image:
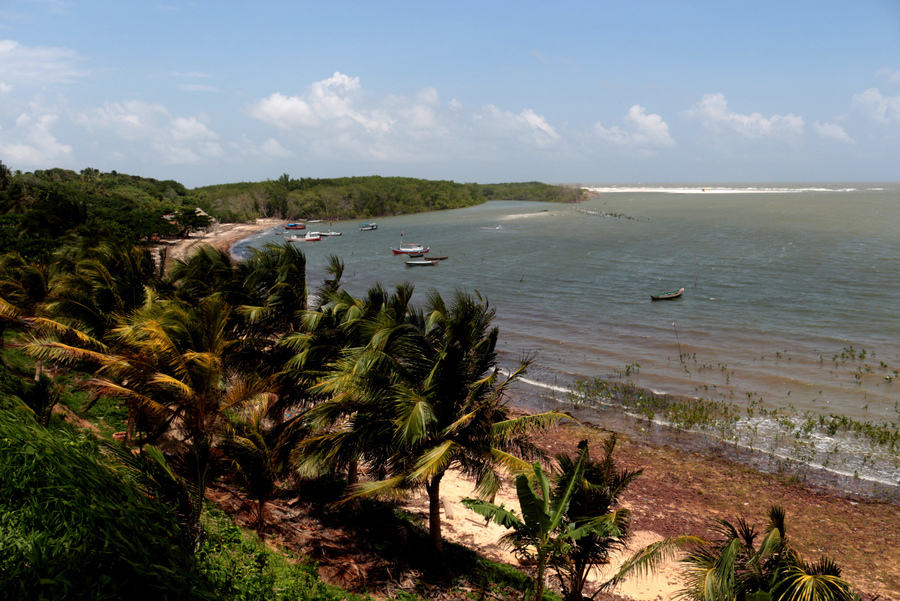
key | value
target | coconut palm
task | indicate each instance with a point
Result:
(732, 565)
(424, 395)
(250, 442)
(169, 360)
(321, 374)
(100, 286)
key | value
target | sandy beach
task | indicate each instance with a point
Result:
(221, 236)
(678, 493)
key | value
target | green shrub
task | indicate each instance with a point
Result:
(71, 528)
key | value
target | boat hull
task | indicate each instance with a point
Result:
(667, 295)
(420, 263)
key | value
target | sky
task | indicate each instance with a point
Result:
(591, 92)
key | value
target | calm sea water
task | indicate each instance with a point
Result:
(791, 297)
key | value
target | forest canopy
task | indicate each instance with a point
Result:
(40, 208)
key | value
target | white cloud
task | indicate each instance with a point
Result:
(272, 148)
(644, 131)
(6, 88)
(284, 112)
(332, 103)
(526, 126)
(712, 112)
(832, 131)
(31, 143)
(151, 126)
(891, 75)
(37, 65)
(878, 107)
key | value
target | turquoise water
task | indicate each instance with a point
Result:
(790, 293)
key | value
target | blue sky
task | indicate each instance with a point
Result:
(560, 92)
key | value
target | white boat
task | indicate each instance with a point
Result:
(411, 248)
(366, 227)
(331, 233)
(309, 237)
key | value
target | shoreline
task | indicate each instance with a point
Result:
(221, 236)
(686, 484)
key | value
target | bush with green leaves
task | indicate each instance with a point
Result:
(71, 527)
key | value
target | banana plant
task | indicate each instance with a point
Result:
(542, 532)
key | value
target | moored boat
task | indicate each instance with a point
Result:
(295, 226)
(411, 248)
(436, 258)
(367, 227)
(420, 263)
(667, 295)
(309, 237)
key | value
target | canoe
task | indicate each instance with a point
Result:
(667, 295)
(420, 263)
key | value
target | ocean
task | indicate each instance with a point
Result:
(790, 312)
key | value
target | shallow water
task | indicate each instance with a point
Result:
(789, 303)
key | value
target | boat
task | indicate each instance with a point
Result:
(330, 232)
(667, 295)
(410, 248)
(367, 227)
(309, 237)
(295, 226)
(420, 263)
(416, 255)
(436, 258)
(313, 221)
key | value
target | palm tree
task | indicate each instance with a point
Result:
(424, 395)
(169, 360)
(732, 566)
(321, 374)
(250, 442)
(596, 496)
(97, 288)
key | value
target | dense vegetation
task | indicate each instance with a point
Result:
(216, 370)
(362, 197)
(39, 209)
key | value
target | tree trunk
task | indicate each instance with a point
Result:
(352, 473)
(434, 514)
(38, 369)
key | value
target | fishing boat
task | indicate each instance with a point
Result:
(420, 263)
(435, 258)
(667, 295)
(309, 237)
(295, 226)
(409, 248)
(313, 221)
(331, 233)
(367, 227)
